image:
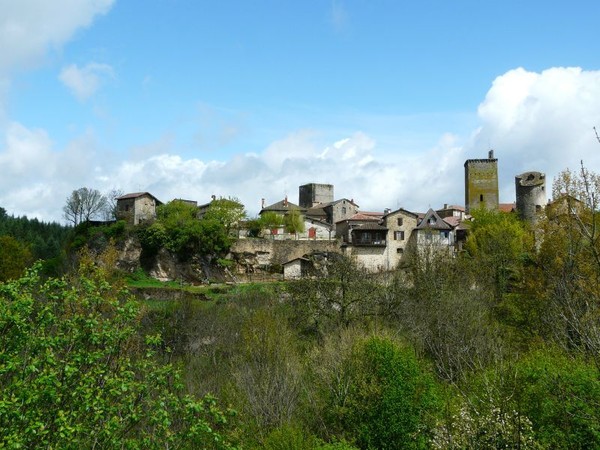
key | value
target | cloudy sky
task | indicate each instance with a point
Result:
(383, 99)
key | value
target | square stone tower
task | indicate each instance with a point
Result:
(481, 183)
(312, 194)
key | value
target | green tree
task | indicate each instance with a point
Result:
(271, 220)
(569, 261)
(498, 243)
(178, 229)
(391, 398)
(228, 211)
(340, 293)
(74, 372)
(294, 222)
(15, 257)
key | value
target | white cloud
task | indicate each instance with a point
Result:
(29, 28)
(534, 121)
(84, 82)
(539, 121)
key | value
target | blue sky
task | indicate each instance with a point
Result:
(383, 99)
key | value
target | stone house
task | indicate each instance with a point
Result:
(296, 268)
(433, 231)
(378, 241)
(137, 207)
(400, 224)
(333, 212)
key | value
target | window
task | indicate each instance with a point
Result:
(480, 197)
(400, 250)
(400, 221)
(344, 210)
(399, 235)
(444, 234)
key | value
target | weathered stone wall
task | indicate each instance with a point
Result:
(481, 184)
(312, 194)
(372, 258)
(531, 194)
(257, 254)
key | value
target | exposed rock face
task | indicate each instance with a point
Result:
(249, 256)
(130, 252)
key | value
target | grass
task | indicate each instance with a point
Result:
(140, 279)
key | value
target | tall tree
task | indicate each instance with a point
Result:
(229, 211)
(84, 204)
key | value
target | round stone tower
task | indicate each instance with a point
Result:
(531, 194)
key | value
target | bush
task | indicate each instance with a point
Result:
(74, 372)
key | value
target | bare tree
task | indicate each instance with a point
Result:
(110, 211)
(84, 204)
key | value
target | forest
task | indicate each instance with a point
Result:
(496, 347)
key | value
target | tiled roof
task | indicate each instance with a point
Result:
(364, 217)
(402, 210)
(453, 221)
(432, 221)
(507, 207)
(282, 205)
(137, 195)
(369, 227)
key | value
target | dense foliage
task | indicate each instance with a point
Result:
(178, 229)
(44, 239)
(497, 347)
(24, 240)
(75, 373)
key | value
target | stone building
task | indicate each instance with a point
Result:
(378, 242)
(312, 194)
(481, 183)
(531, 195)
(137, 207)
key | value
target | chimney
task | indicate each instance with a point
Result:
(491, 154)
(285, 203)
(445, 205)
(262, 203)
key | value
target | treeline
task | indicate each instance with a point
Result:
(24, 240)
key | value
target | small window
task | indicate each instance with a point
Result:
(400, 250)
(344, 210)
(480, 197)
(400, 221)
(399, 235)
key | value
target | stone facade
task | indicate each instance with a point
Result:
(481, 183)
(137, 208)
(400, 225)
(313, 193)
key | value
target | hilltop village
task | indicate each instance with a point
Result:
(379, 241)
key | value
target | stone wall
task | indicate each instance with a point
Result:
(258, 254)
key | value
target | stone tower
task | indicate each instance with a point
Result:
(531, 194)
(312, 194)
(481, 183)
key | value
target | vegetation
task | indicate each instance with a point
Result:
(178, 229)
(497, 347)
(74, 372)
(24, 240)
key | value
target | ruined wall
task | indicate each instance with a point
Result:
(481, 183)
(531, 194)
(257, 254)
